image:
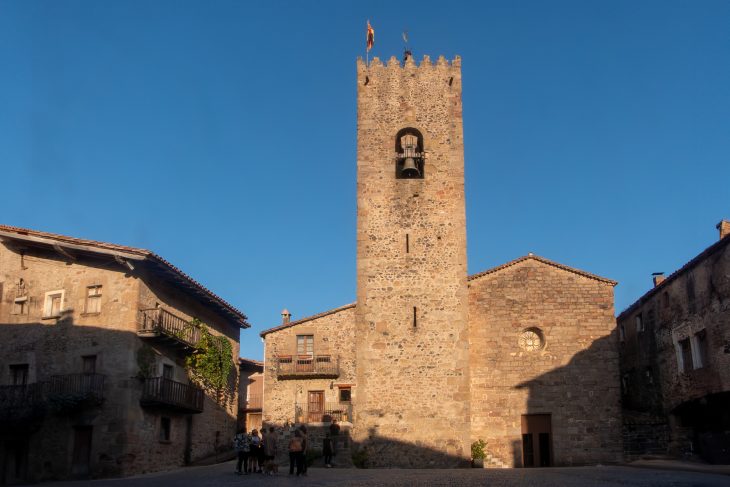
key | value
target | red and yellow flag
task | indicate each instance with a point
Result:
(370, 36)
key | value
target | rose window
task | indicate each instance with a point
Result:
(531, 340)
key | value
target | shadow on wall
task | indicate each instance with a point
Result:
(69, 395)
(577, 421)
(573, 413)
(375, 452)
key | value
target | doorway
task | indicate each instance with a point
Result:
(81, 452)
(316, 406)
(537, 449)
(14, 466)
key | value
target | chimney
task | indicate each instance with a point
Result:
(658, 278)
(285, 316)
(724, 227)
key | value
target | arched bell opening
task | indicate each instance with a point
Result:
(409, 154)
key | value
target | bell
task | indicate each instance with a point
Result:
(409, 169)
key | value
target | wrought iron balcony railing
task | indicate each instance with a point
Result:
(71, 391)
(61, 394)
(170, 394)
(160, 323)
(307, 366)
(21, 402)
(323, 412)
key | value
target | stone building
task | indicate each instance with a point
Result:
(428, 359)
(92, 371)
(250, 393)
(675, 360)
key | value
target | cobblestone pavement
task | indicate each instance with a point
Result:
(222, 475)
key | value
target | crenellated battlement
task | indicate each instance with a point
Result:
(394, 62)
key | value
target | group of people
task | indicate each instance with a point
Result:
(256, 454)
(254, 451)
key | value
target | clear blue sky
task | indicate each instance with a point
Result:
(221, 134)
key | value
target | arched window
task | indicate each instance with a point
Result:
(409, 154)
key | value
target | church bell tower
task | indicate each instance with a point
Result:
(412, 405)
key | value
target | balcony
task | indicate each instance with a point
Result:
(22, 402)
(323, 412)
(169, 394)
(253, 402)
(160, 324)
(307, 367)
(70, 392)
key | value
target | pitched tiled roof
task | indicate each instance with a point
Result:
(308, 318)
(249, 362)
(134, 253)
(544, 261)
(686, 267)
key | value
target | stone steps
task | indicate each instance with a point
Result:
(490, 461)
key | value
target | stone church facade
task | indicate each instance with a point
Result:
(429, 359)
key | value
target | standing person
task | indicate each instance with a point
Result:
(261, 454)
(242, 446)
(253, 458)
(295, 452)
(334, 435)
(270, 446)
(327, 450)
(305, 447)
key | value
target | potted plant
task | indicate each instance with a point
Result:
(478, 453)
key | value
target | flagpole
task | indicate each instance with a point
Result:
(367, 47)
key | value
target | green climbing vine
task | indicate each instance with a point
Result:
(211, 363)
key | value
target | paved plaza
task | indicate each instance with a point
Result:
(222, 475)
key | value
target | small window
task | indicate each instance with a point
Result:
(345, 394)
(167, 371)
(621, 332)
(93, 299)
(700, 339)
(88, 364)
(19, 374)
(305, 344)
(20, 306)
(649, 376)
(650, 319)
(685, 351)
(164, 429)
(639, 323)
(53, 304)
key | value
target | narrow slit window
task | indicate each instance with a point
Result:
(415, 317)
(408, 246)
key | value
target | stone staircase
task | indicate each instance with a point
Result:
(490, 461)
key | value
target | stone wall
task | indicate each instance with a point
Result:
(572, 375)
(334, 336)
(55, 346)
(203, 434)
(412, 345)
(688, 397)
(125, 437)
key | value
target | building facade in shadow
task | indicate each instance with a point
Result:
(93, 381)
(675, 361)
(428, 360)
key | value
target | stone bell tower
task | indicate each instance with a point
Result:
(412, 407)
